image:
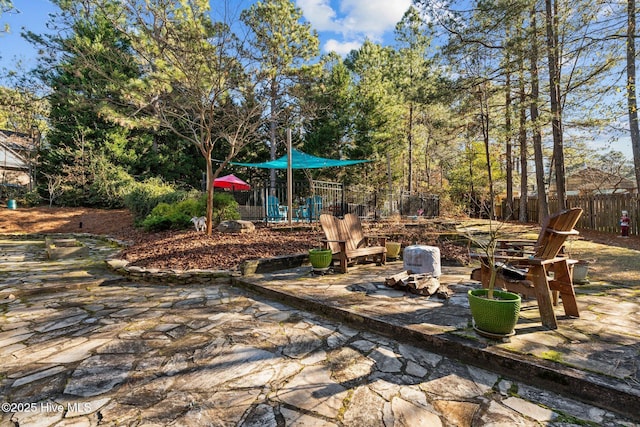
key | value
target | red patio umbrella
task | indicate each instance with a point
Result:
(232, 182)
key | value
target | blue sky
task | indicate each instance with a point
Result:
(343, 25)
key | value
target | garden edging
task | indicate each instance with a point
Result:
(169, 276)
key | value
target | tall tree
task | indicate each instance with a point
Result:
(522, 138)
(632, 97)
(76, 127)
(282, 45)
(543, 207)
(191, 80)
(5, 7)
(508, 144)
(555, 96)
(378, 124)
(414, 77)
(327, 130)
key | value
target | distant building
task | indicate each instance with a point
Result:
(18, 154)
(595, 181)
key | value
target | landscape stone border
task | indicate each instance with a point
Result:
(62, 248)
(169, 276)
(205, 276)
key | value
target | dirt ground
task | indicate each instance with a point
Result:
(191, 250)
(175, 250)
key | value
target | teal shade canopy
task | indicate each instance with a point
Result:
(300, 160)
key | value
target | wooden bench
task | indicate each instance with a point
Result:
(547, 256)
(348, 243)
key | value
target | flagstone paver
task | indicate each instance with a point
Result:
(98, 350)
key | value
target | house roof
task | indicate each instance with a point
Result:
(591, 180)
(17, 140)
(15, 148)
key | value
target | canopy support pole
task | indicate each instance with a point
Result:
(289, 180)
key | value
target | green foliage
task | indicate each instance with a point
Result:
(377, 124)
(91, 181)
(224, 207)
(327, 132)
(164, 217)
(32, 198)
(178, 215)
(81, 127)
(109, 185)
(145, 196)
(193, 207)
(281, 41)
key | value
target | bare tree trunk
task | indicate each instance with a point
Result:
(410, 138)
(484, 119)
(507, 124)
(272, 131)
(632, 100)
(427, 159)
(472, 193)
(210, 179)
(553, 52)
(543, 207)
(522, 139)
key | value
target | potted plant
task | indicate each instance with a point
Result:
(581, 272)
(320, 258)
(393, 250)
(495, 313)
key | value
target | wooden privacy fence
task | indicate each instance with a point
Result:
(601, 212)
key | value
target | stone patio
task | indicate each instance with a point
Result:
(81, 345)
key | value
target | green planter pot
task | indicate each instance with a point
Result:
(496, 317)
(320, 258)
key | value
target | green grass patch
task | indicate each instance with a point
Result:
(552, 355)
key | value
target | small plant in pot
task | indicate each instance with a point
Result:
(393, 250)
(320, 259)
(495, 313)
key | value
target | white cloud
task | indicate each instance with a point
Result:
(353, 20)
(372, 17)
(320, 14)
(341, 48)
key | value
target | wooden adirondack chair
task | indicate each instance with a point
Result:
(275, 212)
(347, 241)
(529, 274)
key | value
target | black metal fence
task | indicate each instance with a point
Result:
(311, 198)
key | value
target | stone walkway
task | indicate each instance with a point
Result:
(83, 346)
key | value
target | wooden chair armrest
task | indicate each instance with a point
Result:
(564, 233)
(376, 236)
(341, 243)
(541, 261)
(511, 242)
(498, 257)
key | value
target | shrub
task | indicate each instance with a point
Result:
(224, 207)
(95, 182)
(193, 206)
(165, 216)
(109, 185)
(32, 198)
(144, 196)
